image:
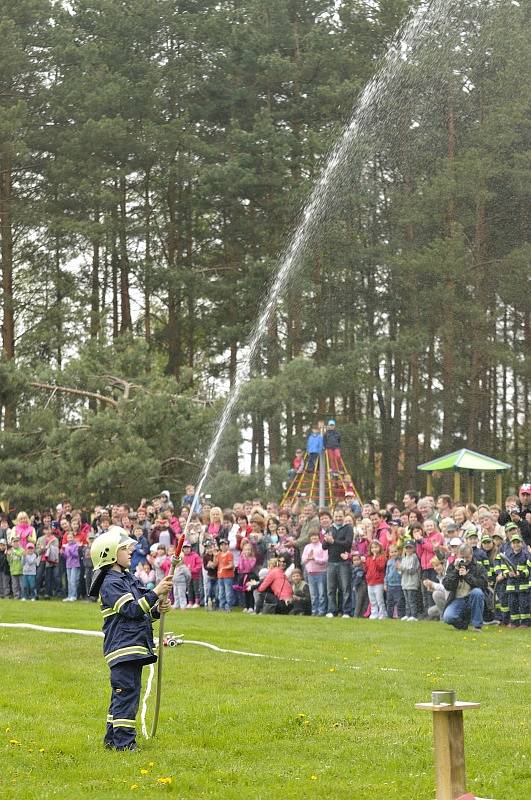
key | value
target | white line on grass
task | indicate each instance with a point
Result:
(185, 641)
(195, 642)
(145, 699)
(50, 630)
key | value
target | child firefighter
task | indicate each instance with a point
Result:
(128, 609)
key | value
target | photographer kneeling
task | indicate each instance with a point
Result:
(466, 581)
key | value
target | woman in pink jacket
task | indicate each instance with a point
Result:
(275, 590)
(24, 530)
(194, 562)
(429, 541)
(314, 560)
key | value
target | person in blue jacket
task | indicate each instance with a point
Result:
(314, 447)
(128, 610)
(141, 548)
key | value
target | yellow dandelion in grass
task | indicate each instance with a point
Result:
(313, 777)
(41, 750)
(14, 741)
(134, 786)
(7, 730)
(306, 722)
(332, 669)
(151, 764)
(144, 772)
(165, 780)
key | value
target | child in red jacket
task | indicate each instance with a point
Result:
(375, 575)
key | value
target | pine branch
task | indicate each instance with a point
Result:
(77, 392)
(172, 459)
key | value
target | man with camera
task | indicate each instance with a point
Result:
(466, 582)
(519, 512)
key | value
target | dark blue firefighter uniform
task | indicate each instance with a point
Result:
(518, 588)
(128, 609)
(502, 604)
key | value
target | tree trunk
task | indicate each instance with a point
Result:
(515, 392)
(273, 364)
(370, 486)
(411, 445)
(254, 443)
(95, 283)
(115, 267)
(147, 260)
(525, 393)
(448, 327)
(125, 300)
(481, 329)
(6, 229)
(190, 332)
(428, 405)
(232, 448)
(504, 410)
(260, 442)
(6, 235)
(174, 249)
(289, 431)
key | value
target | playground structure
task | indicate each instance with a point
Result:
(322, 485)
(465, 463)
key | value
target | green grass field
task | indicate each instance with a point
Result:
(339, 721)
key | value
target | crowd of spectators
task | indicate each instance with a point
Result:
(427, 559)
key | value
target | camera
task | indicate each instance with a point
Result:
(459, 562)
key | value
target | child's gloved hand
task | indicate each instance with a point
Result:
(164, 587)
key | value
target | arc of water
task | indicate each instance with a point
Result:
(429, 16)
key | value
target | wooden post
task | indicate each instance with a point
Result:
(499, 487)
(429, 483)
(470, 487)
(457, 485)
(449, 744)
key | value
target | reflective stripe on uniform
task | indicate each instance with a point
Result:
(144, 604)
(125, 598)
(124, 723)
(109, 717)
(126, 651)
(107, 612)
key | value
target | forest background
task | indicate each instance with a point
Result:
(154, 156)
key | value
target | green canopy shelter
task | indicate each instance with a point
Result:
(465, 462)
